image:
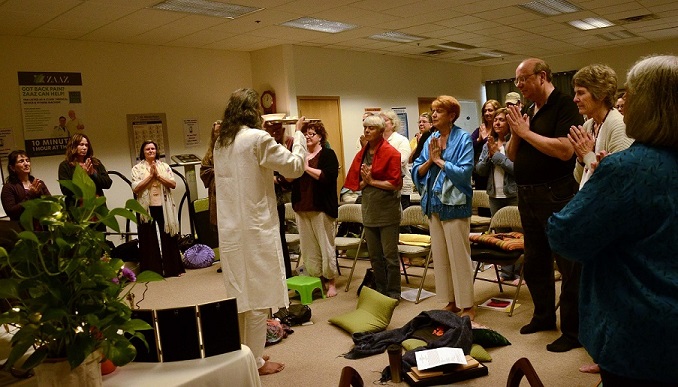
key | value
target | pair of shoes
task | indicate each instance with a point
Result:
(563, 344)
(534, 327)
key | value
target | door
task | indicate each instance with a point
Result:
(424, 105)
(328, 110)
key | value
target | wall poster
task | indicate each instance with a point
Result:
(147, 126)
(52, 110)
(401, 112)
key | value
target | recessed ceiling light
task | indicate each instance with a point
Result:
(454, 46)
(309, 23)
(205, 7)
(395, 36)
(494, 53)
(550, 7)
(617, 35)
(590, 23)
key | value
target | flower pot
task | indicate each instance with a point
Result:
(57, 372)
(107, 367)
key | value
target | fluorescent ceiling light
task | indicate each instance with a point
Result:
(454, 46)
(590, 23)
(309, 23)
(205, 7)
(395, 36)
(617, 35)
(550, 7)
(494, 53)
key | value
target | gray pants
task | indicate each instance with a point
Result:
(382, 244)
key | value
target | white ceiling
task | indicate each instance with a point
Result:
(486, 24)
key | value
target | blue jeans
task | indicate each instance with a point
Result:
(536, 204)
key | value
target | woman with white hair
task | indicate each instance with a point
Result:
(622, 227)
(376, 170)
(392, 125)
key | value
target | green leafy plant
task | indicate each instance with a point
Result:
(67, 295)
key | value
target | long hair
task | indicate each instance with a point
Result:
(12, 177)
(72, 149)
(142, 156)
(243, 110)
(651, 108)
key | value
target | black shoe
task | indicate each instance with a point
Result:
(563, 344)
(219, 270)
(534, 327)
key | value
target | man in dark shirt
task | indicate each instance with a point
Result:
(543, 163)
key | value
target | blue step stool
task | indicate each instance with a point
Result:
(305, 285)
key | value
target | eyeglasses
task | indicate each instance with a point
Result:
(522, 79)
(308, 134)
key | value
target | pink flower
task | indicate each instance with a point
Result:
(115, 280)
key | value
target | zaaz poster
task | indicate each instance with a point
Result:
(51, 105)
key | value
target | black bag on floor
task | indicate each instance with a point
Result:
(296, 314)
(128, 251)
(368, 281)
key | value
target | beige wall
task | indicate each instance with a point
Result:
(620, 59)
(120, 79)
(371, 80)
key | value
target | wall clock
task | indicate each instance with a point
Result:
(268, 101)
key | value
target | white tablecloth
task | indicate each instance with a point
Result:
(230, 369)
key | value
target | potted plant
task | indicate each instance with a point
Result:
(67, 295)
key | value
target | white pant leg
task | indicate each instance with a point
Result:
(310, 249)
(325, 229)
(452, 265)
(253, 332)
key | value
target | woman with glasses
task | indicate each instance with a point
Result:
(20, 185)
(376, 171)
(315, 202)
(479, 138)
(442, 173)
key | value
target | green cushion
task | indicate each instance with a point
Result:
(489, 338)
(373, 313)
(201, 205)
(216, 253)
(411, 344)
(479, 353)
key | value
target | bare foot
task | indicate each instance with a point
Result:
(470, 312)
(271, 367)
(331, 289)
(517, 281)
(590, 368)
(452, 307)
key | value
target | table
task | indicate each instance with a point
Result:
(236, 368)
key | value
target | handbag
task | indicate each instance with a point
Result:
(296, 314)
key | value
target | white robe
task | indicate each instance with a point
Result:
(249, 240)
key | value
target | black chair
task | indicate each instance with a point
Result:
(350, 378)
(206, 232)
(523, 367)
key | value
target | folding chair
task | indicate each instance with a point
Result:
(413, 246)
(350, 212)
(506, 218)
(292, 239)
(480, 200)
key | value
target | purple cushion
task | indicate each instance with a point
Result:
(198, 256)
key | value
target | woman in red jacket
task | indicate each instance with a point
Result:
(377, 172)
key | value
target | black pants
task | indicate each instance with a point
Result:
(168, 263)
(536, 204)
(612, 380)
(286, 251)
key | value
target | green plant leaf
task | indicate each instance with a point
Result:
(134, 205)
(82, 346)
(69, 185)
(149, 276)
(84, 183)
(9, 288)
(136, 324)
(121, 352)
(18, 350)
(29, 236)
(36, 358)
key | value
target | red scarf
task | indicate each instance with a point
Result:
(385, 166)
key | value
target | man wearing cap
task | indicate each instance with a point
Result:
(543, 162)
(512, 99)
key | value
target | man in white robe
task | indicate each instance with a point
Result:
(249, 240)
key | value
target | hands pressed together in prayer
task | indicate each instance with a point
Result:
(582, 141)
(519, 124)
(435, 151)
(88, 166)
(492, 146)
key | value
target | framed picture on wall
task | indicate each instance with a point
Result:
(147, 126)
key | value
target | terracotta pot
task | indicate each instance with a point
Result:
(57, 372)
(107, 367)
